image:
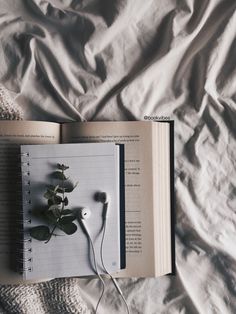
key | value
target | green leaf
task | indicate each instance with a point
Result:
(67, 212)
(52, 207)
(40, 233)
(50, 217)
(55, 209)
(56, 200)
(67, 189)
(61, 190)
(53, 188)
(69, 228)
(50, 202)
(66, 201)
(49, 194)
(62, 167)
(59, 175)
(71, 189)
(66, 219)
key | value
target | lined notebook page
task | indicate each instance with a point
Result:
(96, 168)
(139, 209)
(12, 134)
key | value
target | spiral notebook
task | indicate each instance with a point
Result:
(96, 167)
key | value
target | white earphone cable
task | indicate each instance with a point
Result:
(108, 273)
(96, 269)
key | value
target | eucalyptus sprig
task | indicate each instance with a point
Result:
(57, 215)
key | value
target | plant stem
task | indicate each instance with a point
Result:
(62, 207)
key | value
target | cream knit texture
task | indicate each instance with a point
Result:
(8, 109)
(57, 296)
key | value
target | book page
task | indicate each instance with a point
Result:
(162, 197)
(12, 134)
(137, 137)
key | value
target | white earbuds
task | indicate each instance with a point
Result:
(102, 197)
(84, 213)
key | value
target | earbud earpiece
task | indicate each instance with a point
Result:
(102, 197)
(84, 213)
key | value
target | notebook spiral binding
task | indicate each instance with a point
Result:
(24, 250)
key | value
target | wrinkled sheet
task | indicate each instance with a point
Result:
(123, 60)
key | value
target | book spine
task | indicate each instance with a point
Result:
(24, 260)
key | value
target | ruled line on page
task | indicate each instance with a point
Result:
(53, 157)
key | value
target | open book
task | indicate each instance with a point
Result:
(147, 185)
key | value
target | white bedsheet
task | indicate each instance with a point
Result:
(124, 60)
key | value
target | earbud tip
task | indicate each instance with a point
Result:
(102, 197)
(97, 196)
(84, 213)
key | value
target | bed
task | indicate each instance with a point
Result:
(133, 60)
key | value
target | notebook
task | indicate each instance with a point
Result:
(96, 167)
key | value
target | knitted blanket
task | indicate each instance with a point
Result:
(54, 297)
(8, 110)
